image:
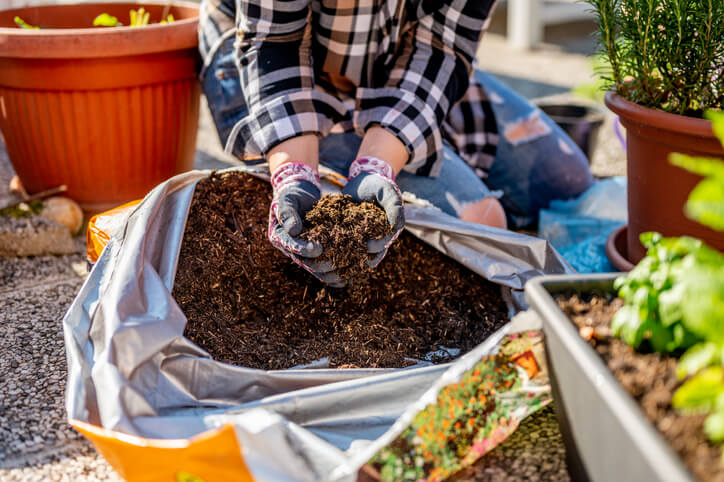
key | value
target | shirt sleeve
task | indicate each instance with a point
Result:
(273, 43)
(429, 76)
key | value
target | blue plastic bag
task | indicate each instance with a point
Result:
(578, 228)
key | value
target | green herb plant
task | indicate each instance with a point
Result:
(664, 54)
(23, 24)
(137, 18)
(106, 20)
(674, 298)
(22, 210)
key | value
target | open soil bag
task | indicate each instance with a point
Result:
(158, 407)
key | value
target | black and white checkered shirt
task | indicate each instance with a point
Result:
(321, 66)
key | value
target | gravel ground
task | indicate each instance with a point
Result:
(31, 419)
(20, 273)
(80, 464)
(36, 442)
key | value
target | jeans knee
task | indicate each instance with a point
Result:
(577, 175)
(561, 175)
(487, 211)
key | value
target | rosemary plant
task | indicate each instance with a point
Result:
(664, 54)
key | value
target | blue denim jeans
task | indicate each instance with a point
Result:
(535, 163)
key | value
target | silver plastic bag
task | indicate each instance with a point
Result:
(132, 371)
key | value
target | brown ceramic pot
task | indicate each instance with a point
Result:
(657, 190)
(109, 112)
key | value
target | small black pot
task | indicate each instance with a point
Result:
(581, 122)
(607, 436)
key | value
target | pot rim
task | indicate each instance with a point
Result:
(617, 259)
(656, 118)
(95, 42)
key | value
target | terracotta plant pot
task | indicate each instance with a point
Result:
(657, 190)
(617, 249)
(110, 112)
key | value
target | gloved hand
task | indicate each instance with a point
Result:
(373, 180)
(296, 189)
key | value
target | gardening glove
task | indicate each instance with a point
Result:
(373, 180)
(296, 189)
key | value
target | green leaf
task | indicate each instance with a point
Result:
(105, 20)
(717, 119)
(650, 239)
(704, 305)
(697, 358)
(23, 24)
(706, 203)
(703, 166)
(661, 339)
(700, 393)
(622, 317)
(629, 324)
(670, 305)
(683, 338)
(619, 282)
(661, 279)
(642, 271)
(714, 426)
(642, 296)
(681, 246)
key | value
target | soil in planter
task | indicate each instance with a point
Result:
(650, 378)
(249, 305)
(343, 228)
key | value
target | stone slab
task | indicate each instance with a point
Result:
(34, 236)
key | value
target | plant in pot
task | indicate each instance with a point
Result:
(664, 69)
(109, 112)
(638, 378)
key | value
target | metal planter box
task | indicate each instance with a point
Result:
(607, 436)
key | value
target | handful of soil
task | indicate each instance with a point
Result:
(343, 228)
(247, 304)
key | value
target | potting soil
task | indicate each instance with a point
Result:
(247, 304)
(651, 380)
(343, 228)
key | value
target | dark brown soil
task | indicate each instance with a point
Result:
(343, 228)
(249, 305)
(650, 378)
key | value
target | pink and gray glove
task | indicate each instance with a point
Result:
(373, 180)
(296, 189)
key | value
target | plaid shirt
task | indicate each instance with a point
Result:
(321, 66)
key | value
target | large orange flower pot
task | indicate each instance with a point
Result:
(658, 190)
(110, 112)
